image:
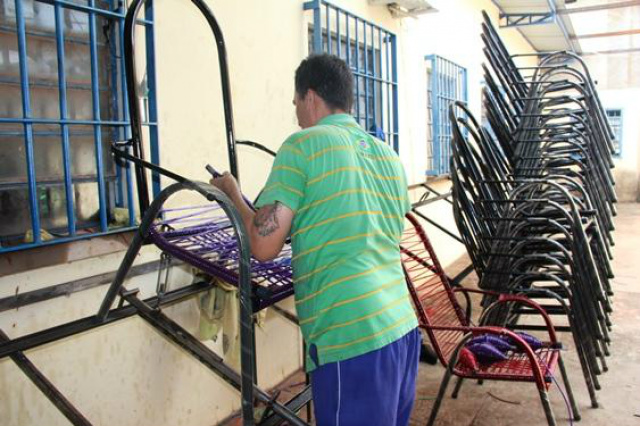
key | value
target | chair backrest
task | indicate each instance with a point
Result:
(434, 301)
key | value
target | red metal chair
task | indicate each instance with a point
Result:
(449, 328)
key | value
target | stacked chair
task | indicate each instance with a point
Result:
(534, 196)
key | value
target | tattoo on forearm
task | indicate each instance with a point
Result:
(266, 219)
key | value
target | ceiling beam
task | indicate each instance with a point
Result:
(599, 7)
(571, 42)
(610, 34)
(508, 20)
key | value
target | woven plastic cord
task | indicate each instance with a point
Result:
(203, 237)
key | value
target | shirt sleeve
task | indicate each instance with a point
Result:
(288, 178)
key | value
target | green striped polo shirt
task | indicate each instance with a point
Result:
(348, 191)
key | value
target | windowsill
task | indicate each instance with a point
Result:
(40, 257)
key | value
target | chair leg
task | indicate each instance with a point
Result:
(565, 379)
(590, 377)
(438, 401)
(456, 389)
(585, 365)
(603, 360)
(546, 405)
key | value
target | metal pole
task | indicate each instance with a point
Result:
(47, 388)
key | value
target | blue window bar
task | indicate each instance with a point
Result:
(370, 52)
(62, 103)
(446, 83)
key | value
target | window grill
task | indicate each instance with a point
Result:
(446, 83)
(62, 89)
(370, 52)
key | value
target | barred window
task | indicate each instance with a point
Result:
(62, 103)
(370, 52)
(446, 83)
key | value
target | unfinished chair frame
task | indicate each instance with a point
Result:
(232, 251)
(216, 244)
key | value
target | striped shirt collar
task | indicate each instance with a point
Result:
(338, 120)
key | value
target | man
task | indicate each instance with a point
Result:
(341, 195)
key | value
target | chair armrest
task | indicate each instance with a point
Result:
(533, 291)
(507, 298)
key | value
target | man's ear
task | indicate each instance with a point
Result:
(311, 96)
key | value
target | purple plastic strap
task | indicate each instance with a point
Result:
(204, 238)
(533, 342)
(486, 353)
(500, 344)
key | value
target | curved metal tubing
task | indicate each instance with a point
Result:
(246, 330)
(134, 105)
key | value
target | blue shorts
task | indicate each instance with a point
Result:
(374, 389)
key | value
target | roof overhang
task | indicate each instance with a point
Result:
(543, 23)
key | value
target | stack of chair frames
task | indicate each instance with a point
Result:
(534, 195)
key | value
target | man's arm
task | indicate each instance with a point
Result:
(267, 227)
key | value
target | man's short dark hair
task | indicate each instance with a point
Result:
(328, 76)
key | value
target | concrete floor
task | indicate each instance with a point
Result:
(506, 403)
(503, 403)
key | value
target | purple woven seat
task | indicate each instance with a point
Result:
(204, 238)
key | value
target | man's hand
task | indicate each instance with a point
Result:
(228, 184)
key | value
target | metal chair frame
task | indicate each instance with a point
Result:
(449, 328)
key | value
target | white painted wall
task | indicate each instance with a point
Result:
(266, 41)
(627, 165)
(617, 76)
(618, 86)
(126, 374)
(453, 33)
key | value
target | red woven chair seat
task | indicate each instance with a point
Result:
(516, 368)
